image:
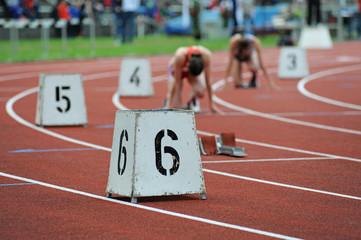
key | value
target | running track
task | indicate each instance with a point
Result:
(300, 180)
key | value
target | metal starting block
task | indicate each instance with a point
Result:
(224, 144)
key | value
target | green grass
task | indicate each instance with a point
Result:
(80, 48)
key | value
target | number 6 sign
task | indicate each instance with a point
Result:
(155, 153)
(61, 100)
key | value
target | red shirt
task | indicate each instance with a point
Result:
(63, 11)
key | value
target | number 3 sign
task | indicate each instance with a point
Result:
(155, 153)
(292, 63)
(61, 100)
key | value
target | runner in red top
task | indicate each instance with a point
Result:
(194, 64)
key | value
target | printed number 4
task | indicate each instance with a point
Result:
(59, 95)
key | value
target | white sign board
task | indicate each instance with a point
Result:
(155, 153)
(315, 37)
(61, 100)
(135, 78)
(292, 63)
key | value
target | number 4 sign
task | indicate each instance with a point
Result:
(61, 100)
(135, 78)
(151, 159)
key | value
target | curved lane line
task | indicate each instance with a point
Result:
(282, 184)
(9, 109)
(302, 89)
(274, 117)
(116, 99)
(286, 148)
(11, 112)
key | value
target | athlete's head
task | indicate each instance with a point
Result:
(244, 45)
(196, 64)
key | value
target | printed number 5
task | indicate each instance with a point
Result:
(58, 94)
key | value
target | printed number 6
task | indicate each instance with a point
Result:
(57, 98)
(122, 150)
(167, 149)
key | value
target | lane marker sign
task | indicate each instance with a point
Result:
(151, 159)
(61, 100)
(293, 63)
(315, 37)
(135, 78)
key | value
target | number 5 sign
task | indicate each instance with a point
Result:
(155, 153)
(61, 100)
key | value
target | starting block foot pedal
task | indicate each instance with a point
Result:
(224, 144)
(208, 145)
(232, 151)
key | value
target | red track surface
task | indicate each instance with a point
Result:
(299, 180)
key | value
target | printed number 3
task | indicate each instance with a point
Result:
(292, 62)
(58, 94)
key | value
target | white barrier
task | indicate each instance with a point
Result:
(135, 78)
(292, 63)
(155, 153)
(61, 100)
(315, 37)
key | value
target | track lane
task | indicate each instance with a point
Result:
(215, 180)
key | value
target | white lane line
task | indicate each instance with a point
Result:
(11, 112)
(285, 148)
(302, 89)
(282, 185)
(9, 109)
(269, 160)
(277, 118)
(22, 121)
(157, 210)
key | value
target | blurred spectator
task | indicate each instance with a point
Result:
(164, 10)
(234, 17)
(63, 10)
(248, 11)
(151, 8)
(107, 3)
(6, 13)
(31, 9)
(14, 9)
(313, 5)
(225, 8)
(212, 4)
(98, 9)
(124, 14)
(77, 14)
(194, 10)
(358, 17)
(153, 14)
